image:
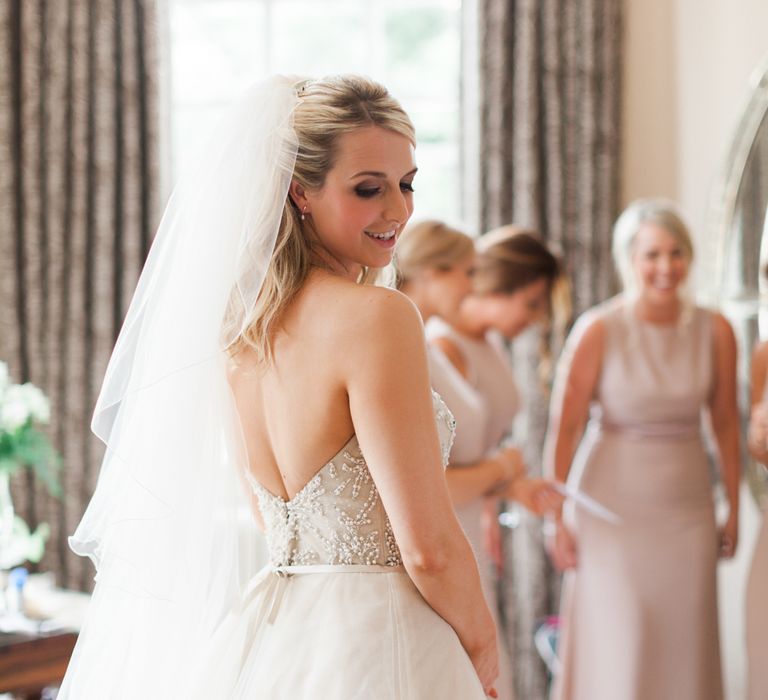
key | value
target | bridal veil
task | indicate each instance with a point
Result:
(168, 527)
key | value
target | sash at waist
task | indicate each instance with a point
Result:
(272, 581)
(672, 430)
(336, 569)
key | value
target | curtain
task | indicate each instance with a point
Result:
(541, 116)
(78, 184)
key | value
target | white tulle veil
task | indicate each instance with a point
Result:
(168, 526)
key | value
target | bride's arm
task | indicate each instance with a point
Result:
(388, 386)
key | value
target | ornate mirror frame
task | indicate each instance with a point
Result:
(736, 270)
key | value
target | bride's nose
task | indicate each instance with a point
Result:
(397, 208)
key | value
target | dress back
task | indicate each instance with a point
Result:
(337, 518)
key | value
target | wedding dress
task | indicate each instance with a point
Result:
(180, 609)
(334, 615)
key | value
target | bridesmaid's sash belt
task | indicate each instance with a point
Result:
(273, 580)
(653, 431)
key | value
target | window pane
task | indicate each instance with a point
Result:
(218, 47)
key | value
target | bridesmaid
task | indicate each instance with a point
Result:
(639, 604)
(436, 265)
(757, 584)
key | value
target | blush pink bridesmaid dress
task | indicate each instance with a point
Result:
(640, 610)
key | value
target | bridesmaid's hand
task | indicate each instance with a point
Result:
(537, 495)
(562, 548)
(509, 465)
(492, 533)
(729, 538)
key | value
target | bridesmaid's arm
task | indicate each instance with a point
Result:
(757, 435)
(502, 474)
(575, 386)
(486, 477)
(387, 381)
(724, 413)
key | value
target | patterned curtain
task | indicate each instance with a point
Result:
(78, 183)
(541, 96)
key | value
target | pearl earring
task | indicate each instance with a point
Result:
(304, 213)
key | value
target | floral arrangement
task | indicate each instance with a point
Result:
(22, 444)
(23, 408)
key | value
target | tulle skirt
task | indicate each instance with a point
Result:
(344, 633)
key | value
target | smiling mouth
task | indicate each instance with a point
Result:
(385, 236)
(664, 286)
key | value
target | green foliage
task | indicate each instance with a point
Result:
(27, 446)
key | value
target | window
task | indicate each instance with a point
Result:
(218, 47)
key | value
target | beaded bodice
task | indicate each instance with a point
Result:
(338, 516)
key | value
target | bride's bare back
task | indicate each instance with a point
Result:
(295, 411)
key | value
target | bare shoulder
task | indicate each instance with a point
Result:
(361, 317)
(379, 311)
(349, 304)
(722, 331)
(582, 357)
(589, 330)
(381, 344)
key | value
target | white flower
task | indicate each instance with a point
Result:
(14, 411)
(19, 403)
(37, 403)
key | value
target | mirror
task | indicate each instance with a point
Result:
(739, 237)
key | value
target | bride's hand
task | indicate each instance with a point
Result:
(485, 659)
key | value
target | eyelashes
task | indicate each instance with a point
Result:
(368, 192)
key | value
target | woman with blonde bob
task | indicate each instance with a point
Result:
(257, 369)
(439, 270)
(639, 605)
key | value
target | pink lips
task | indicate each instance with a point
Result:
(386, 243)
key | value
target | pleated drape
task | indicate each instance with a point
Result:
(78, 197)
(540, 99)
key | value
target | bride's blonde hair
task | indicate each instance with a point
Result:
(327, 109)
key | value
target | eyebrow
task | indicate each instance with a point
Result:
(376, 173)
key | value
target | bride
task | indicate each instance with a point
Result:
(256, 369)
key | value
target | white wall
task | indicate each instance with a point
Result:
(687, 63)
(686, 68)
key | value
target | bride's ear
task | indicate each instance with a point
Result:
(298, 195)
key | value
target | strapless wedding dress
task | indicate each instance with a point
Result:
(334, 616)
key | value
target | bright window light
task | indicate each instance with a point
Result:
(219, 47)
